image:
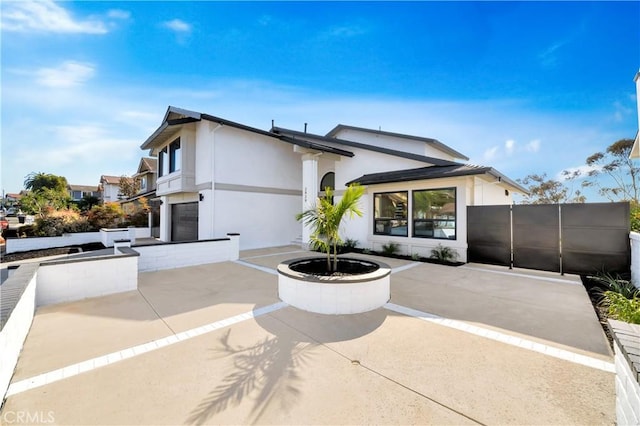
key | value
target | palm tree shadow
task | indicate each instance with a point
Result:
(267, 368)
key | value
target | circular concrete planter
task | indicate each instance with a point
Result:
(335, 295)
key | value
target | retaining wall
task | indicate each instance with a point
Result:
(14, 245)
(75, 279)
(182, 254)
(18, 296)
(627, 360)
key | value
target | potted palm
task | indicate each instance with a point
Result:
(332, 284)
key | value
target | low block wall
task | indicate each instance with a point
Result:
(75, 279)
(182, 254)
(18, 295)
(108, 236)
(14, 245)
(635, 258)
(627, 360)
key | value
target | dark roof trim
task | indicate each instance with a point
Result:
(430, 141)
(434, 172)
(410, 156)
(187, 116)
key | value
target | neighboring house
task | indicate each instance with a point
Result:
(635, 151)
(78, 192)
(12, 198)
(216, 176)
(110, 188)
(146, 176)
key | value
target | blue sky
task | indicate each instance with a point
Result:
(525, 87)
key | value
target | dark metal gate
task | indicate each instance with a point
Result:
(184, 222)
(571, 238)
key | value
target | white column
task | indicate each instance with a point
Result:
(165, 219)
(309, 189)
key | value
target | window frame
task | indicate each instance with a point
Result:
(175, 147)
(376, 219)
(163, 161)
(415, 220)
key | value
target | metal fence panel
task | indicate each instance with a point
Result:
(536, 237)
(489, 234)
(595, 238)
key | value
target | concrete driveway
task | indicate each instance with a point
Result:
(212, 344)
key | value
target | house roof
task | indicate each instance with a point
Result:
(435, 172)
(429, 141)
(175, 117)
(83, 188)
(408, 155)
(148, 164)
(113, 180)
(14, 195)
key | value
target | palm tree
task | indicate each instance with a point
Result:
(325, 219)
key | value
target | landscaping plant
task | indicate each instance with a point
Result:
(620, 298)
(325, 219)
(390, 248)
(444, 253)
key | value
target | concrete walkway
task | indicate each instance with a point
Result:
(212, 344)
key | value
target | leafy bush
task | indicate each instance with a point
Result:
(59, 222)
(108, 215)
(444, 253)
(390, 248)
(635, 217)
(622, 308)
(415, 256)
(618, 285)
(349, 244)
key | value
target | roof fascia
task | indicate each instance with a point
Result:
(388, 151)
(441, 146)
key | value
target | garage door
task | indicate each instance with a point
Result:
(184, 222)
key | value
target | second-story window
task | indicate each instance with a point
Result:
(143, 183)
(163, 160)
(174, 156)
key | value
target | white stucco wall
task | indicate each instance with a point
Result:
(110, 192)
(75, 280)
(635, 258)
(36, 243)
(486, 192)
(262, 219)
(170, 256)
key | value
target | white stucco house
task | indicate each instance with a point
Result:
(216, 176)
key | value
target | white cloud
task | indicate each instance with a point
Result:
(533, 146)
(68, 74)
(490, 153)
(509, 146)
(119, 14)
(45, 16)
(178, 26)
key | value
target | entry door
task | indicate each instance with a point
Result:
(184, 222)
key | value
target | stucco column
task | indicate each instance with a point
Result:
(309, 189)
(165, 219)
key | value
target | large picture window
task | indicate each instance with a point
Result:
(390, 214)
(434, 213)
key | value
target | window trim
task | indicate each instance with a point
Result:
(175, 146)
(375, 218)
(455, 213)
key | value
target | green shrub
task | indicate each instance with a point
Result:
(59, 222)
(415, 256)
(349, 244)
(635, 217)
(108, 215)
(621, 308)
(618, 285)
(390, 248)
(444, 253)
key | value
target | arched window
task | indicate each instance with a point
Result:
(328, 180)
